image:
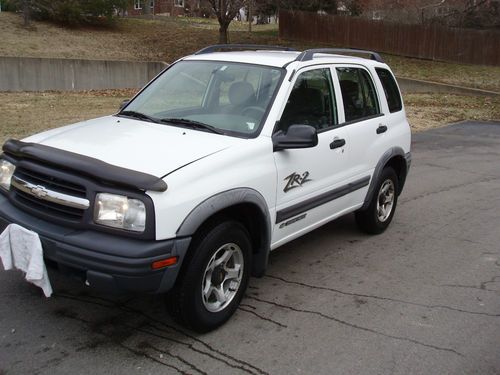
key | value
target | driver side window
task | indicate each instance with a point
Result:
(311, 102)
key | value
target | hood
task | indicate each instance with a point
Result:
(156, 149)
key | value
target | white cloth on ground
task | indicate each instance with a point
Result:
(21, 248)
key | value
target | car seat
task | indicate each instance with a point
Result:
(350, 95)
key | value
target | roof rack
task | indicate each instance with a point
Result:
(231, 47)
(309, 54)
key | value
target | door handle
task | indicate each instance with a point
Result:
(337, 143)
(381, 129)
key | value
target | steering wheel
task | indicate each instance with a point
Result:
(253, 111)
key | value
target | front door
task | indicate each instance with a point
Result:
(310, 180)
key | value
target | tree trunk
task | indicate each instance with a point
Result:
(27, 13)
(250, 16)
(223, 34)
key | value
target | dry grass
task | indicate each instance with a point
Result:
(167, 39)
(476, 76)
(24, 114)
(48, 40)
(427, 111)
(28, 113)
(164, 39)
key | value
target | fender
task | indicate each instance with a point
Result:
(388, 155)
(226, 199)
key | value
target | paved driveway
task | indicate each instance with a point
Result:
(424, 297)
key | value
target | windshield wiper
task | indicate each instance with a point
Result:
(138, 115)
(191, 123)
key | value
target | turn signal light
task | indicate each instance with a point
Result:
(164, 263)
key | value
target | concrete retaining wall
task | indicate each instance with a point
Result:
(41, 74)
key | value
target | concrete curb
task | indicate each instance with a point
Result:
(408, 85)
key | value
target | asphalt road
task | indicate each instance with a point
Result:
(422, 298)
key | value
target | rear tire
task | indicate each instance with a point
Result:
(215, 279)
(377, 217)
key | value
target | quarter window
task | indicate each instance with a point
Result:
(358, 94)
(310, 102)
(390, 89)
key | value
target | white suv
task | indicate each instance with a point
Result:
(220, 159)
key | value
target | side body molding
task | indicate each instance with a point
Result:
(227, 199)
(388, 155)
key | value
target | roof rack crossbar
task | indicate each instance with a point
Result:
(231, 47)
(309, 54)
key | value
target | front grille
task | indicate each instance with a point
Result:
(40, 204)
(54, 209)
(51, 183)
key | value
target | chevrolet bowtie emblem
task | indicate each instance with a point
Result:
(39, 191)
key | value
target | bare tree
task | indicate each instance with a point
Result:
(471, 14)
(226, 11)
(354, 7)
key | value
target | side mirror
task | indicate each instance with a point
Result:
(297, 136)
(124, 103)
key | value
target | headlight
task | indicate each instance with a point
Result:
(6, 172)
(119, 211)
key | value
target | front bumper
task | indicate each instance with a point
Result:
(105, 262)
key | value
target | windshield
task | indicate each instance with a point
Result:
(230, 98)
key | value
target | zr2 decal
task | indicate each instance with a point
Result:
(295, 180)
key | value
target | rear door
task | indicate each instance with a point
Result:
(364, 116)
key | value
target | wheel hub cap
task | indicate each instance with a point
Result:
(222, 278)
(385, 201)
(218, 276)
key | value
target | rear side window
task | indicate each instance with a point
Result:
(358, 94)
(390, 89)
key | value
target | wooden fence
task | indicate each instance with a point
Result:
(426, 42)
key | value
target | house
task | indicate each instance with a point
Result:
(168, 8)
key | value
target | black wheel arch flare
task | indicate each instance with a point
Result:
(397, 159)
(225, 202)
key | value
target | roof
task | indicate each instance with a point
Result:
(274, 58)
(270, 58)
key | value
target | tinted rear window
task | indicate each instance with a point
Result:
(390, 89)
(358, 94)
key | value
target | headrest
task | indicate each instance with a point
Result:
(241, 93)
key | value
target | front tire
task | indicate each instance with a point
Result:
(377, 217)
(216, 277)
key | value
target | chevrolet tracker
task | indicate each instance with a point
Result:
(226, 155)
